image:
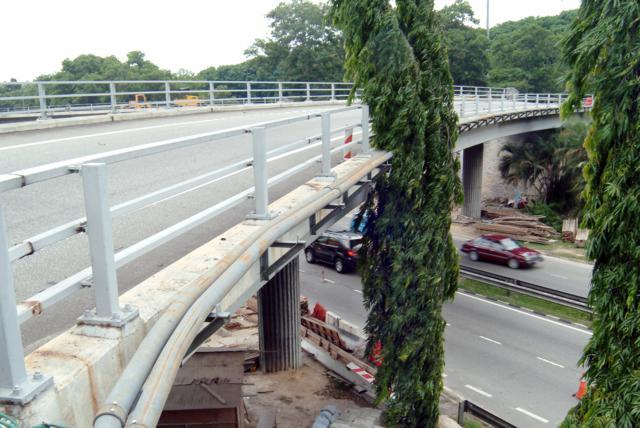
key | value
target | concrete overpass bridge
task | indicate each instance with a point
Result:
(143, 335)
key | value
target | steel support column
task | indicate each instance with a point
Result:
(472, 180)
(279, 318)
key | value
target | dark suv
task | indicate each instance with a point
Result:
(339, 249)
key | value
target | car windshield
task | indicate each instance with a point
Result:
(509, 244)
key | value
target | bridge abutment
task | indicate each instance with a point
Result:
(279, 320)
(472, 180)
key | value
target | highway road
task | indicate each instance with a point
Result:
(560, 274)
(519, 366)
(39, 207)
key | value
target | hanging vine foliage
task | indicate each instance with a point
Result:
(603, 49)
(396, 56)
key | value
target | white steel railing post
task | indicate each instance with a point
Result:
(462, 106)
(167, 94)
(279, 91)
(99, 230)
(15, 384)
(548, 99)
(366, 148)
(502, 101)
(248, 92)
(537, 100)
(212, 94)
(333, 91)
(515, 99)
(477, 102)
(490, 96)
(261, 188)
(326, 145)
(308, 92)
(42, 97)
(112, 95)
(526, 101)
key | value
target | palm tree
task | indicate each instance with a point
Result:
(551, 165)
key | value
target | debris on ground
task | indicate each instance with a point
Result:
(523, 227)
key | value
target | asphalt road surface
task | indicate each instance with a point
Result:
(559, 274)
(517, 365)
(42, 206)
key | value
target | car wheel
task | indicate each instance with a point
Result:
(514, 264)
(473, 256)
(309, 256)
(339, 265)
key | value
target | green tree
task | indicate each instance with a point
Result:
(603, 51)
(468, 47)
(397, 57)
(303, 46)
(525, 54)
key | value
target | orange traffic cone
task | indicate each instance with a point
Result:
(582, 389)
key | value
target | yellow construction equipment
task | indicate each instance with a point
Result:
(139, 102)
(188, 101)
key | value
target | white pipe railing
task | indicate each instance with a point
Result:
(15, 384)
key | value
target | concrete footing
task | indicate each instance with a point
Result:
(279, 317)
(472, 180)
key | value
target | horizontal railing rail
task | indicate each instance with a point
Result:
(47, 97)
(97, 223)
(512, 284)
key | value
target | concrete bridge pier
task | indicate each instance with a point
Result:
(472, 180)
(279, 320)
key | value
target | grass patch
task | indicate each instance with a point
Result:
(523, 300)
(566, 250)
(472, 424)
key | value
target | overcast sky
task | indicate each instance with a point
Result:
(191, 34)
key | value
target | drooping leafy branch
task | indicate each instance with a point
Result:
(603, 49)
(397, 57)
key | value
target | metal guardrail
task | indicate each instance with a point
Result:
(15, 384)
(467, 406)
(101, 96)
(47, 97)
(523, 287)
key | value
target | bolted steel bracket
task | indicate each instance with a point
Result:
(127, 314)
(267, 216)
(26, 391)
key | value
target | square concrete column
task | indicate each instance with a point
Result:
(279, 320)
(472, 180)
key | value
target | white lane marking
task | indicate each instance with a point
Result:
(302, 271)
(532, 415)
(558, 276)
(588, 333)
(490, 340)
(550, 362)
(448, 325)
(444, 375)
(478, 390)
(328, 280)
(358, 291)
(120, 131)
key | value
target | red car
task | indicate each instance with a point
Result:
(501, 249)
